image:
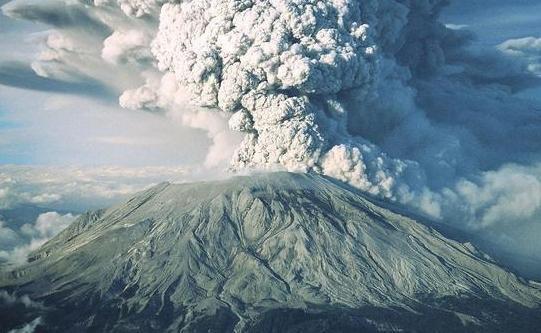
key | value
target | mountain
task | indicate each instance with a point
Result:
(277, 252)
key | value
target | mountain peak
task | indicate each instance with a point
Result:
(259, 252)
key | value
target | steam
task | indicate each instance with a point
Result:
(377, 93)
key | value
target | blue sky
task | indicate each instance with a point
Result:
(495, 21)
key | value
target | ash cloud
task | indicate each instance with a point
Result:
(379, 94)
(286, 70)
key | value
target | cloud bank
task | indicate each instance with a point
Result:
(379, 94)
(79, 188)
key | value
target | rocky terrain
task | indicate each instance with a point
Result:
(277, 252)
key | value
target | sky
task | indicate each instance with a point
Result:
(101, 99)
(496, 21)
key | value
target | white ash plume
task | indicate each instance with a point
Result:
(281, 68)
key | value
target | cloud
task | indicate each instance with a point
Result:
(354, 99)
(268, 79)
(495, 20)
(21, 75)
(163, 94)
(456, 26)
(126, 46)
(72, 52)
(8, 237)
(126, 141)
(102, 50)
(58, 14)
(136, 8)
(506, 197)
(32, 236)
(527, 49)
(50, 129)
(21, 308)
(47, 225)
(79, 188)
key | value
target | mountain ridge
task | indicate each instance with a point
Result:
(244, 253)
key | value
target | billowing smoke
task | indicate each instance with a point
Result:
(291, 73)
(377, 93)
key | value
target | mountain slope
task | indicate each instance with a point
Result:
(272, 252)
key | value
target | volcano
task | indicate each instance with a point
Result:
(276, 252)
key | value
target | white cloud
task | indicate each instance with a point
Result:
(47, 225)
(137, 8)
(76, 188)
(239, 69)
(527, 49)
(77, 130)
(164, 93)
(456, 26)
(509, 196)
(127, 46)
(127, 141)
(32, 236)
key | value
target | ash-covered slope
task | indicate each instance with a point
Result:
(274, 252)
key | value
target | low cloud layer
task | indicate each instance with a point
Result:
(382, 95)
(79, 188)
